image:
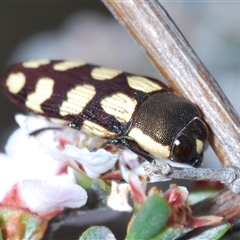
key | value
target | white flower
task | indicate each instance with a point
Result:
(118, 199)
(25, 160)
(129, 159)
(57, 192)
(31, 179)
(52, 138)
(94, 163)
(129, 162)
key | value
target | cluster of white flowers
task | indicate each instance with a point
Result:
(35, 167)
(31, 178)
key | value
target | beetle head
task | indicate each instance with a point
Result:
(188, 145)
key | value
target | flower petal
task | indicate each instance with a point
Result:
(137, 189)
(94, 163)
(118, 199)
(45, 195)
(48, 136)
(32, 123)
(28, 159)
(176, 195)
(129, 158)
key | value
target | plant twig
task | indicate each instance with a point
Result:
(153, 29)
(229, 176)
(224, 204)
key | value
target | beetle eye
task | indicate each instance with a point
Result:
(182, 150)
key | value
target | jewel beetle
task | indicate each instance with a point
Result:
(139, 112)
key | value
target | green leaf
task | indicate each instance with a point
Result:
(1, 237)
(83, 180)
(150, 218)
(213, 233)
(169, 233)
(97, 189)
(98, 192)
(97, 232)
(200, 195)
(32, 223)
(27, 224)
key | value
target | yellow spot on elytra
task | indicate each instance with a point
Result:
(65, 65)
(143, 84)
(15, 82)
(35, 63)
(43, 91)
(77, 99)
(97, 130)
(149, 144)
(120, 106)
(103, 73)
(199, 146)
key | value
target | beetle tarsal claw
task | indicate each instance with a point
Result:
(157, 170)
(235, 185)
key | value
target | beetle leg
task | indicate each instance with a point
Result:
(132, 145)
(74, 126)
(38, 131)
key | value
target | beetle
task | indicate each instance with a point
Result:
(138, 112)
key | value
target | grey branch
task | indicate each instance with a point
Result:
(229, 176)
